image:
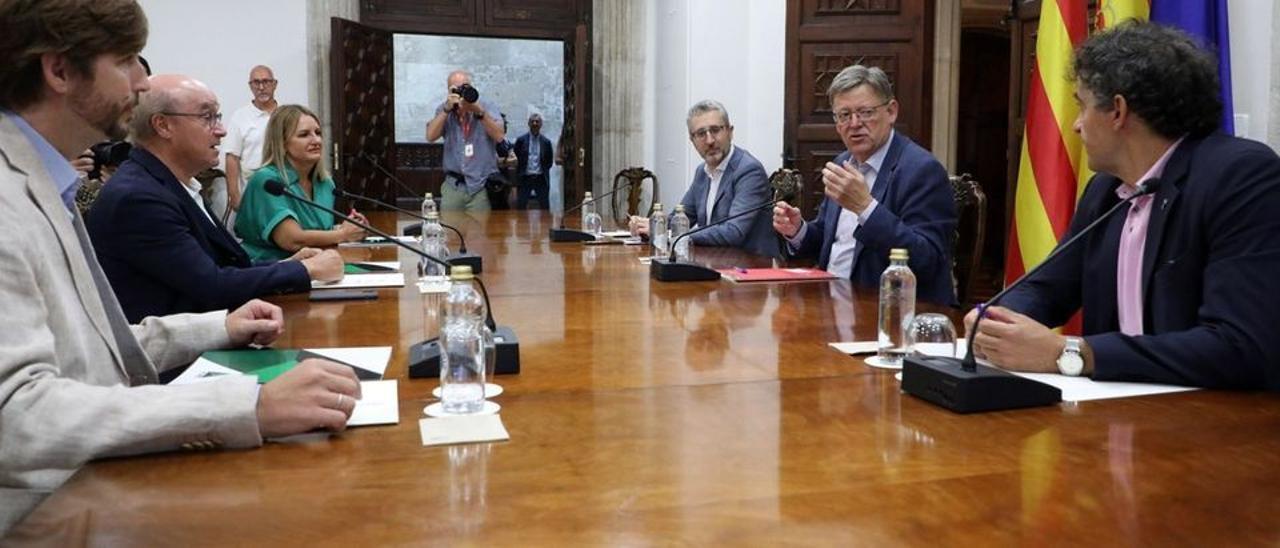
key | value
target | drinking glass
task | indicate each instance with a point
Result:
(932, 334)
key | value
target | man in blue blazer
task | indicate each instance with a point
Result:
(729, 181)
(161, 249)
(533, 165)
(1177, 287)
(884, 192)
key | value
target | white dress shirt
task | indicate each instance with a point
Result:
(713, 189)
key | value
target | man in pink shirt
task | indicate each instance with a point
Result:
(1174, 288)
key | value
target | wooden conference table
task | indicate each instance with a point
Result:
(694, 413)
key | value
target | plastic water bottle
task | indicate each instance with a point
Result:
(897, 308)
(433, 244)
(462, 346)
(591, 221)
(429, 205)
(658, 231)
(680, 225)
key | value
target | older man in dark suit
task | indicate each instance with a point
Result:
(1179, 288)
(533, 165)
(163, 251)
(883, 192)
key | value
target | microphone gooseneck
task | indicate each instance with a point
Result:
(462, 241)
(374, 162)
(970, 362)
(276, 188)
(784, 182)
(755, 209)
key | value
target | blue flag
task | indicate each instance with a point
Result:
(1206, 20)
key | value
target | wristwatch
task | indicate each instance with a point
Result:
(1070, 362)
(479, 114)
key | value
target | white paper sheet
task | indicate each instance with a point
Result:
(465, 429)
(387, 279)
(1074, 389)
(379, 404)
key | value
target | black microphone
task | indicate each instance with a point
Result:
(671, 270)
(563, 234)
(424, 357)
(785, 183)
(963, 385)
(459, 258)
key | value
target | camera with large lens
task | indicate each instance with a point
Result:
(467, 92)
(108, 154)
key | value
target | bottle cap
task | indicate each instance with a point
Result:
(586, 194)
(898, 254)
(679, 208)
(432, 216)
(460, 273)
(657, 206)
(428, 196)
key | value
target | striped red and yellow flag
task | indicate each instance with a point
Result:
(1052, 164)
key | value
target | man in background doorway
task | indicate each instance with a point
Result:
(472, 129)
(243, 144)
(534, 157)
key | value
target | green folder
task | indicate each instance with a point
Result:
(364, 268)
(269, 363)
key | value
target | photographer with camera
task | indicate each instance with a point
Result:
(472, 129)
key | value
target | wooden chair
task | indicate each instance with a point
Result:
(971, 233)
(634, 176)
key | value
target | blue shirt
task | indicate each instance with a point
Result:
(65, 178)
(484, 158)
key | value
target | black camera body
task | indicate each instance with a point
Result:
(467, 92)
(108, 154)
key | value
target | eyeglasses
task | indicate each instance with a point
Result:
(863, 114)
(702, 133)
(262, 83)
(210, 119)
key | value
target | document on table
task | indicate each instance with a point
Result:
(368, 362)
(379, 404)
(351, 281)
(462, 429)
(1074, 389)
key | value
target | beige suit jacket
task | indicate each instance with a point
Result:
(76, 381)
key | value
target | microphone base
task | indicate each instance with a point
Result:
(944, 382)
(666, 270)
(414, 229)
(571, 235)
(424, 357)
(467, 259)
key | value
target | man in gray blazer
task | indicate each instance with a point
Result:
(729, 181)
(77, 382)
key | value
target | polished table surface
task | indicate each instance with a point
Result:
(694, 413)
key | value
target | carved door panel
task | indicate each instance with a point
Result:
(363, 109)
(823, 37)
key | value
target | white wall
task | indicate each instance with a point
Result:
(1250, 25)
(732, 51)
(219, 42)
